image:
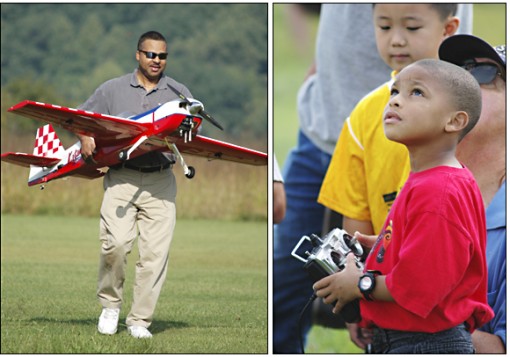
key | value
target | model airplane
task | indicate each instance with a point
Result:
(171, 126)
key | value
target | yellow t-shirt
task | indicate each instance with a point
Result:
(367, 170)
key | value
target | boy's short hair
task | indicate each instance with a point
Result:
(150, 35)
(444, 10)
(462, 87)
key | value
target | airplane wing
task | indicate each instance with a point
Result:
(218, 150)
(110, 129)
(115, 136)
(26, 160)
(105, 131)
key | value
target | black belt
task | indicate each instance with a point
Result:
(142, 169)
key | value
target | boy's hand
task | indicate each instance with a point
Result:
(341, 287)
(361, 337)
(365, 240)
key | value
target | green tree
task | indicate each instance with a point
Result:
(218, 50)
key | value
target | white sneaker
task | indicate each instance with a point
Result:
(139, 332)
(108, 321)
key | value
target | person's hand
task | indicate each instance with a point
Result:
(341, 287)
(365, 240)
(361, 337)
(88, 145)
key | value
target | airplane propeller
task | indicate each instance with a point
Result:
(196, 108)
(208, 117)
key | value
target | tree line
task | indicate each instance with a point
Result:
(59, 53)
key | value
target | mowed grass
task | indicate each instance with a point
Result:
(214, 299)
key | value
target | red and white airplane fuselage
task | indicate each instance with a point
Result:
(172, 126)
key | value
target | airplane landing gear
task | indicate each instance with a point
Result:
(189, 171)
(123, 155)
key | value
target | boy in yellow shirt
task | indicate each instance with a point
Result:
(361, 180)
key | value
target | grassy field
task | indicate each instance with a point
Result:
(292, 56)
(214, 299)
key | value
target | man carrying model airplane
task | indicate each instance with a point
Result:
(139, 194)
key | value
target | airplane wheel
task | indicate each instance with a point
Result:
(191, 172)
(123, 155)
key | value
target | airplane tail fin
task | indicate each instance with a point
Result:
(47, 145)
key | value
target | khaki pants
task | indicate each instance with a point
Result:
(135, 204)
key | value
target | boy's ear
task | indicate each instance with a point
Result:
(451, 26)
(457, 122)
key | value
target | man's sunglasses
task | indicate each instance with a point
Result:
(484, 72)
(152, 55)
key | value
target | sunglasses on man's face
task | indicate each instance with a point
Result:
(152, 55)
(484, 72)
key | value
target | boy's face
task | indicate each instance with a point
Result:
(406, 33)
(418, 109)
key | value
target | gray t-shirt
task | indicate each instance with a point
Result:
(124, 96)
(348, 67)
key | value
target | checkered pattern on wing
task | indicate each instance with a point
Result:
(47, 143)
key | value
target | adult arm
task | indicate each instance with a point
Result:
(279, 201)
(485, 342)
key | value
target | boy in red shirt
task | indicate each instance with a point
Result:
(424, 288)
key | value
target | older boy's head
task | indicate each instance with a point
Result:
(461, 87)
(406, 33)
(444, 10)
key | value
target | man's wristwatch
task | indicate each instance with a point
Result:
(366, 284)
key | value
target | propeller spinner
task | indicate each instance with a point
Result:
(196, 108)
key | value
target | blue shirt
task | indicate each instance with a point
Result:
(496, 263)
